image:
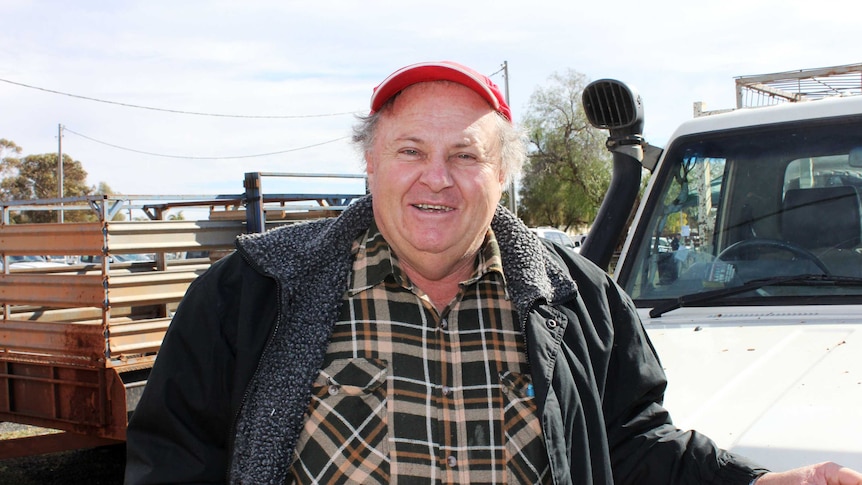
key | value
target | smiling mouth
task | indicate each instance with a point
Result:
(433, 208)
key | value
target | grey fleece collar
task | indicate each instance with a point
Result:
(311, 262)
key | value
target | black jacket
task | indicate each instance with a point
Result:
(226, 397)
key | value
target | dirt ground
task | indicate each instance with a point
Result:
(94, 466)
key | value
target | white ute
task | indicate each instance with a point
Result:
(755, 308)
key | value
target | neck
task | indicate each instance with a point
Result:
(441, 287)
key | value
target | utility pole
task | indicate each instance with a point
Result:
(60, 169)
(512, 204)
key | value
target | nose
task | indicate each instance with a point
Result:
(436, 173)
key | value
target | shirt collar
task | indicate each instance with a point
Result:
(374, 262)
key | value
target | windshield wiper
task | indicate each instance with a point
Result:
(800, 279)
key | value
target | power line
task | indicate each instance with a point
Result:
(498, 71)
(175, 111)
(66, 129)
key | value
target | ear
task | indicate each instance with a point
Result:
(369, 170)
(369, 164)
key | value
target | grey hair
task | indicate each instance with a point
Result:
(513, 141)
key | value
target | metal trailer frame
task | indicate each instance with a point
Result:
(77, 342)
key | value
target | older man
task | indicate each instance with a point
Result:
(424, 335)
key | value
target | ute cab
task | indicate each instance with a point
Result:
(745, 262)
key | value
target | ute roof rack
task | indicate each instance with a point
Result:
(799, 85)
(760, 90)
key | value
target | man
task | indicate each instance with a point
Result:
(423, 335)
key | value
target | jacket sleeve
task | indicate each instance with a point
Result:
(180, 429)
(644, 444)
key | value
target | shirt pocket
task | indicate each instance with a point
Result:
(517, 385)
(527, 459)
(352, 377)
(345, 432)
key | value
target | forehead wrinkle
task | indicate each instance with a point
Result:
(466, 144)
(465, 141)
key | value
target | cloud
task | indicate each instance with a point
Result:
(305, 58)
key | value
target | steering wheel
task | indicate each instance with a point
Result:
(803, 253)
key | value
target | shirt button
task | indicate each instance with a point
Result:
(444, 324)
(447, 390)
(333, 390)
(452, 461)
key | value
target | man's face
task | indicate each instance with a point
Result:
(435, 174)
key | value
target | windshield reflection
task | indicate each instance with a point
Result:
(752, 205)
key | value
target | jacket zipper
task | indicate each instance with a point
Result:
(524, 318)
(266, 349)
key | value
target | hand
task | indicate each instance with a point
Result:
(827, 473)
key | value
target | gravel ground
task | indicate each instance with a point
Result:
(93, 466)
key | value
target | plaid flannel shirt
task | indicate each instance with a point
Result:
(408, 394)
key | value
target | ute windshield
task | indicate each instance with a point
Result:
(761, 204)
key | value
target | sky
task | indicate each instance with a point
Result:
(184, 97)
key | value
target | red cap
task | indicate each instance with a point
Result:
(440, 71)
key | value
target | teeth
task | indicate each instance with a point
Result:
(432, 207)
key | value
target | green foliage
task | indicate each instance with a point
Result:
(8, 157)
(674, 224)
(569, 169)
(36, 177)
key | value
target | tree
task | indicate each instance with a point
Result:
(35, 177)
(568, 170)
(8, 163)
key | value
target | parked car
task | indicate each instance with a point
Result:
(579, 240)
(30, 262)
(117, 258)
(557, 236)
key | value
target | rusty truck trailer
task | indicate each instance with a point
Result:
(77, 341)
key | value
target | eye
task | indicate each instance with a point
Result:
(466, 156)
